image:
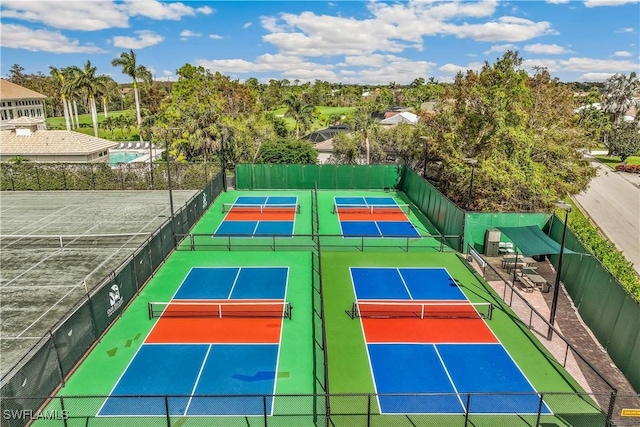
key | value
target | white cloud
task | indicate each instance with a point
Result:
(500, 48)
(162, 10)
(454, 69)
(20, 37)
(557, 1)
(145, 38)
(591, 66)
(549, 49)
(95, 14)
(167, 73)
(185, 34)
(68, 15)
(247, 25)
(215, 36)
(595, 77)
(624, 30)
(594, 3)
(507, 28)
(622, 53)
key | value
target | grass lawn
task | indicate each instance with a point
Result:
(317, 124)
(57, 123)
(613, 161)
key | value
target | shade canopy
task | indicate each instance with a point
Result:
(531, 241)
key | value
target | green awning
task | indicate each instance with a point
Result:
(530, 241)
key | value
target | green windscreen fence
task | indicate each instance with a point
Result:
(441, 212)
(305, 177)
(604, 305)
(477, 224)
(47, 364)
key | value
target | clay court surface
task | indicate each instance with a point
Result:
(39, 284)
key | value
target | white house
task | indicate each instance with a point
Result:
(17, 102)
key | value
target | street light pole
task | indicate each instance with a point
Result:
(166, 145)
(473, 163)
(556, 287)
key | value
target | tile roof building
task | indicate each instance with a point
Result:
(17, 102)
(51, 145)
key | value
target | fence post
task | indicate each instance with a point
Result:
(539, 409)
(55, 349)
(166, 410)
(466, 410)
(63, 414)
(368, 409)
(93, 176)
(264, 407)
(612, 404)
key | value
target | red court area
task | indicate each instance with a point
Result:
(384, 215)
(245, 214)
(428, 330)
(219, 321)
(216, 330)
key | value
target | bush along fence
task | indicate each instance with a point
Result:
(46, 365)
(101, 176)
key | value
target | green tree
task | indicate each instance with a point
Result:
(625, 140)
(86, 81)
(127, 61)
(523, 132)
(61, 92)
(619, 93)
(300, 112)
(288, 151)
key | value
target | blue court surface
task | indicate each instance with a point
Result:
(257, 223)
(234, 283)
(185, 370)
(455, 369)
(378, 226)
(390, 283)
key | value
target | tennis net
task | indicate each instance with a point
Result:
(421, 310)
(239, 207)
(372, 209)
(128, 240)
(220, 309)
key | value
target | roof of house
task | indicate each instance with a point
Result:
(25, 121)
(58, 142)
(326, 134)
(404, 117)
(9, 90)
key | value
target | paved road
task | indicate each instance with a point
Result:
(613, 203)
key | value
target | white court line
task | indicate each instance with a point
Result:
(234, 283)
(446, 371)
(404, 283)
(193, 391)
(55, 214)
(80, 284)
(56, 252)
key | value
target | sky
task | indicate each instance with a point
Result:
(350, 42)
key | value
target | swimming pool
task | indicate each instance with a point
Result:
(122, 157)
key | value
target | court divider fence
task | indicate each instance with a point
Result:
(609, 399)
(605, 306)
(101, 176)
(46, 365)
(322, 177)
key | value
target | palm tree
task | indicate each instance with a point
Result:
(129, 67)
(364, 123)
(107, 90)
(60, 87)
(86, 80)
(300, 112)
(619, 92)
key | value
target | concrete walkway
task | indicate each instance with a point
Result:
(612, 201)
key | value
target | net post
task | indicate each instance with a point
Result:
(466, 410)
(63, 414)
(150, 310)
(368, 409)
(192, 241)
(421, 311)
(61, 245)
(166, 410)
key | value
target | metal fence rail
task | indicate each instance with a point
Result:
(353, 410)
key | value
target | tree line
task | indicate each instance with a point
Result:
(523, 132)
